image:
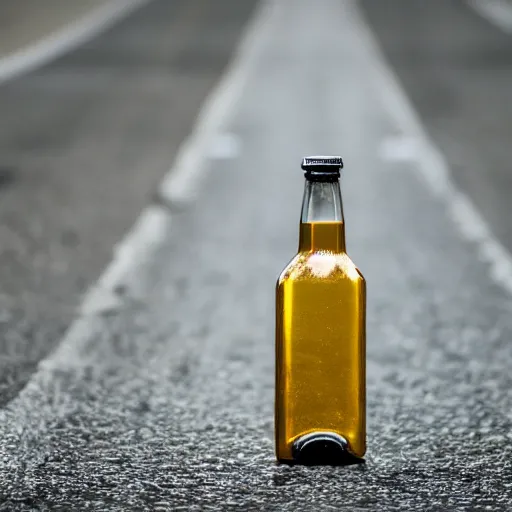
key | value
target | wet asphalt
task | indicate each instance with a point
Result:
(166, 401)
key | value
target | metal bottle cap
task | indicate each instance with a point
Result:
(322, 168)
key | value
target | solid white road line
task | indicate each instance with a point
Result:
(148, 233)
(498, 12)
(430, 163)
(64, 40)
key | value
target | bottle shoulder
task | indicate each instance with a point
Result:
(321, 265)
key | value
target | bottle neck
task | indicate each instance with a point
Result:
(322, 226)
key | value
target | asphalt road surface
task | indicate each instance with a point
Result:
(160, 394)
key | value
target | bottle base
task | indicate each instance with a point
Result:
(321, 449)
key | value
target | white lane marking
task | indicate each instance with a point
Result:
(72, 35)
(399, 148)
(182, 182)
(148, 233)
(225, 146)
(498, 12)
(431, 165)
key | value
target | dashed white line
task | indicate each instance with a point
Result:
(62, 41)
(225, 146)
(431, 166)
(498, 12)
(398, 148)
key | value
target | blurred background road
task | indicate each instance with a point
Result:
(157, 394)
(30, 21)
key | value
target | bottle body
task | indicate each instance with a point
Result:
(320, 340)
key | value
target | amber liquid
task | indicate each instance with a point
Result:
(320, 342)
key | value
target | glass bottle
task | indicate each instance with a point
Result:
(320, 333)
